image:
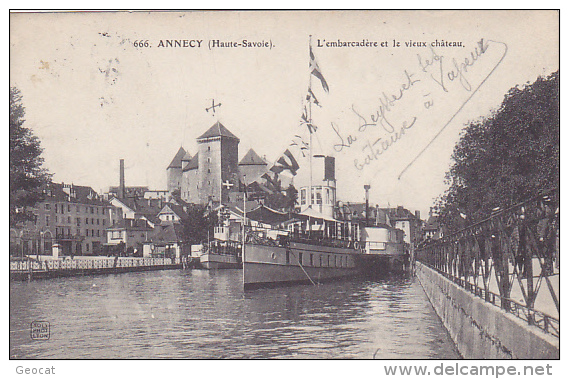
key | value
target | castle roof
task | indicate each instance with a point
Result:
(192, 164)
(217, 130)
(177, 161)
(252, 159)
(187, 157)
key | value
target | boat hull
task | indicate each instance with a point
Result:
(219, 261)
(300, 263)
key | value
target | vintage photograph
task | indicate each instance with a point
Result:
(285, 185)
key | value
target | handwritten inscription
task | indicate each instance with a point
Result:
(381, 128)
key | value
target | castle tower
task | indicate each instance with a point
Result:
(218, 169)
(252, 166)
(174, 171)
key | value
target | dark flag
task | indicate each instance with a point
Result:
(272, 183)
(311, 97)
(286, 163)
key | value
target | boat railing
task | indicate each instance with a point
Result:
(223, 248)
(284, 241)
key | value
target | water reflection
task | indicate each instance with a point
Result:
(206, 314)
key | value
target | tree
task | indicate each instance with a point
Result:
(505, 158)
(27, 176)
(199, 224)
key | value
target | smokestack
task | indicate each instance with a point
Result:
(367, 187)
(121, 180)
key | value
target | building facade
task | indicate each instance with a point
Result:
(75, 217)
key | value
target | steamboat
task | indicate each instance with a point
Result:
(321, 240)
(315, 248)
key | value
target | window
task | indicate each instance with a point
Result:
(98, 233)
(68, 208)
(69, 219)
(55, 208)
(92, 210)
(311, 260)
(97, 221)
(78, 221)
(56, 221)
(86, 221)
(97, 210)
(320, 256)
(300, 259)
(103, 222)
(87, 247)
(303, 196)
(319, 196)
(47, 206)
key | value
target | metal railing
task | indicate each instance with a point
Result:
(35, 265)
(517, 245)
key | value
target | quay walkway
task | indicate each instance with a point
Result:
(495, 284)
(49, 267)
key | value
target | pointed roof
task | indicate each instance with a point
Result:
(177, 161)
(217, 130)
(252, 159)
(187, 157)
(192, 164)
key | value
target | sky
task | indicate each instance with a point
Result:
(391, 117)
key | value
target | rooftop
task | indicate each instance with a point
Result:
(72, 193)
(193, 163)
(217, 130)
(252, 159)
(177, 161)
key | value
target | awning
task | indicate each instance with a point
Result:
(309, 212)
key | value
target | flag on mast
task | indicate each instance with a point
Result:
(315, 70)
(286, 162)
(311, 97)
(305, 120)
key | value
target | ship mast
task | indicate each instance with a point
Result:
(310, 135)
(310, 143)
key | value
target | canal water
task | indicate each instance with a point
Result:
(206, 314)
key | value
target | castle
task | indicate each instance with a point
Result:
(214, 172)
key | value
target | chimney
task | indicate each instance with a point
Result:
(418, 214)
(367, 187)
(121, 180)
